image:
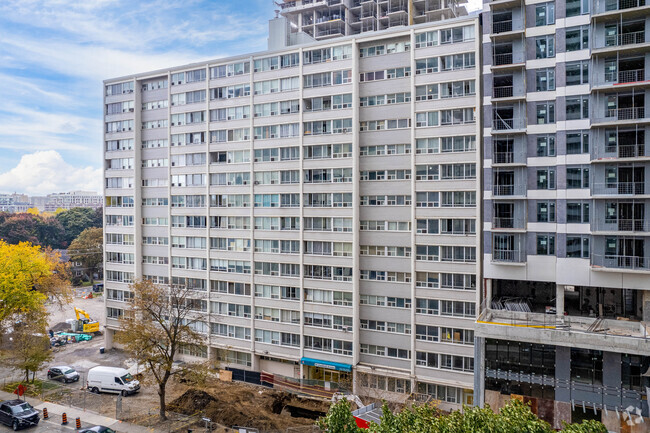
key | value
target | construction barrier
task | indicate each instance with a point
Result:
(64, 419)
(45, 415)
(78, 423)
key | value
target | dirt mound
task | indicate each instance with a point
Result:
(61, 326)
(237, 404)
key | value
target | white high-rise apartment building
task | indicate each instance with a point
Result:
(321, 200)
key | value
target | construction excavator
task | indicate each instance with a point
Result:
(84, 324)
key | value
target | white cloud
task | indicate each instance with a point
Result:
(46, 172)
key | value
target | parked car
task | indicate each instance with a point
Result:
(111, 379)
(63, 373)
(18, 414)
(97, 429)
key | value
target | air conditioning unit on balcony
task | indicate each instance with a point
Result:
(257, 182)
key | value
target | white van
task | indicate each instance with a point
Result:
(111, 379)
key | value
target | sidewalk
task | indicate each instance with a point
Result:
(87, 418)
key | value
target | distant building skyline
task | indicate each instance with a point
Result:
(16, 202)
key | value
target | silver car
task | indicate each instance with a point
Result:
(63, 373)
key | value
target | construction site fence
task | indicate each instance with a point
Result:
(305, 387)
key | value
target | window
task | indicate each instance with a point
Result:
(544, 14)
(576, 7)
(545, 79)
(577, 73)
(546, 178)
(545, 244)
(577, 108)
(546, 145)
(577, 212)
(545, 113)
(577, 38)
(577, 142)
(577, 177)
(586, 364)
(545, 47)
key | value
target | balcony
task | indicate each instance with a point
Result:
(508, 151)
(509, 190)
(620, 262)
(502, 27)
(621, 225)
(625, 39)
(508, 223)
(619, 188)
(621, 77)
(502, 59)
(508, 124)
(502, 92)
(631, 113)
(508, 256)
(636, 150)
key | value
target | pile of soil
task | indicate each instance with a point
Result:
(238, 404)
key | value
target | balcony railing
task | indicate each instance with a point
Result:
(631, 76)
(625, 39)
(619, 188)
(502, 59)
(503, 92)
(501, 124)
(510, 189)
(510, 256)
(620, 262)
(624, 4)
(622, 225)
(507, 223)
(503, 158)
(626, 113)
(626, 151)
(502, 26)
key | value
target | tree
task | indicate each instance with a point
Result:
(159, 323)
(339, 419)
(29, 346)
(88, 249)
(29, 275)
(76, 220)
(514, 417)
(36, 229)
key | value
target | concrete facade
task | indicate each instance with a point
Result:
(322, 200)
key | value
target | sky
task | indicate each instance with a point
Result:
(56, 53)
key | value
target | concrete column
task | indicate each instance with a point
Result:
(559, 300)
(108, 338)
(646, 305)
(479, 371)
(255, 362)
(488, 292)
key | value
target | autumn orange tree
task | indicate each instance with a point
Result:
(29, 276)
(159, 323)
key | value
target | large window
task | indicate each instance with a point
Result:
(577, 212)
(577, 177)
(587, 366)
(576, 7)
(545, 79)
(577, 38)
(546, 178)
(577, 142)
(633, 368)
(577, 108)
(545, 14)
(577, 73)
(545, 211)
(546, 145)
(577, 247)
(545, 47)
(545, 113)
(545, 244)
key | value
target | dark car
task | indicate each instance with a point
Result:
(63, 373)
(18, 414)
(97, 429)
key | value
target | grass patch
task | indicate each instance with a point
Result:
(31, 389)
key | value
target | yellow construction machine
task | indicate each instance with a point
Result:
(84, 324)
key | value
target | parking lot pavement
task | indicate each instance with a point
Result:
(55, 415)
